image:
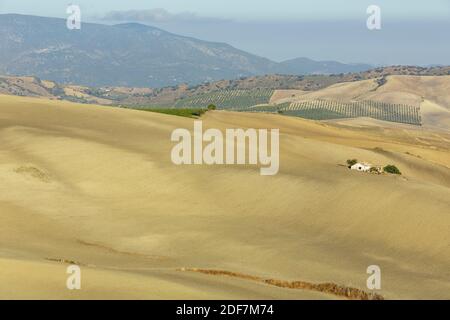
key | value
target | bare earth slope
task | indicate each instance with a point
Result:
(95, 186)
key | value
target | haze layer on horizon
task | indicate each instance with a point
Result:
(412, 33)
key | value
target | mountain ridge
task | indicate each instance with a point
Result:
(309, 66)
(130, 54)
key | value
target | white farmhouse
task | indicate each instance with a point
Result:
(363, 167)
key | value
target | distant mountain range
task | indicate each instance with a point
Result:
(304, 66)
(132, 55)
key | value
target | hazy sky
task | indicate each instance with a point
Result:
(244, 9)
(413, 31)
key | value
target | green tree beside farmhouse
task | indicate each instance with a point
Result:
(392, 169)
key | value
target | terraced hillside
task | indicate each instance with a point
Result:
(321, 109)
(269, 108)
(228, 99)
(332, 109)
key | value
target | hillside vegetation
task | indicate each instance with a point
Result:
(284, 86)
(228, 99)
(399, 99)
(329, 109)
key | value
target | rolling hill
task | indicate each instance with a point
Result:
(95, 186)
(420, 100)
(416, 100)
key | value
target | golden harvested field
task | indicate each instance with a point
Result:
(95, 186)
